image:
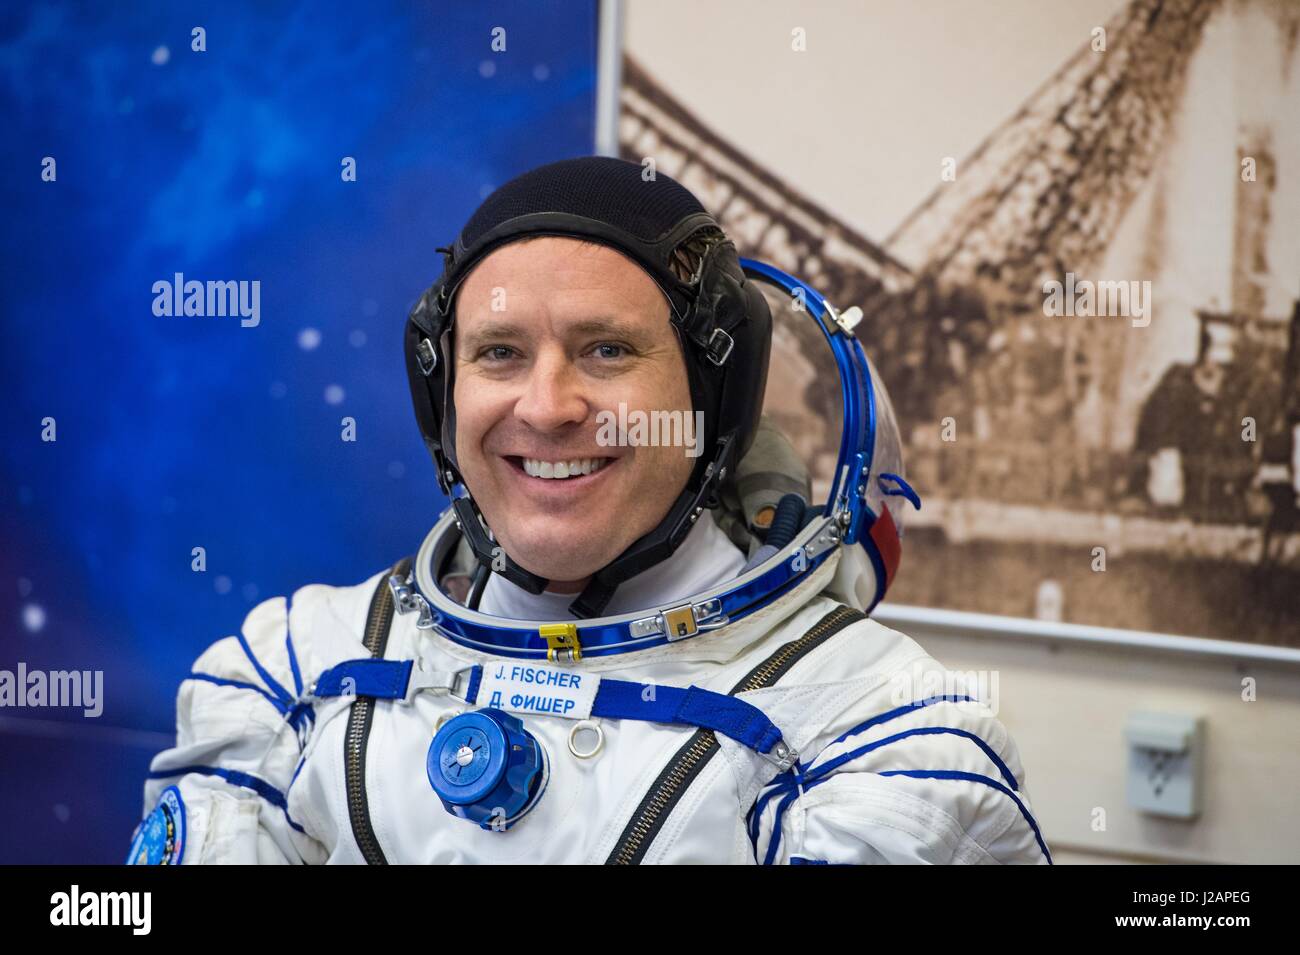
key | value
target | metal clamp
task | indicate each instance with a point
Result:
(410, 600)
(680, 622)
(561, 639)
(454, 682)
(782, 756)
(847, 320)
(827, 538)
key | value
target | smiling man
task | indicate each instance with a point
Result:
(549, 333)
(607, 648)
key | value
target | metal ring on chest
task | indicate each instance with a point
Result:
(594, 727)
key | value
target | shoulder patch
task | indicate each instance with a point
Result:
(160, 838)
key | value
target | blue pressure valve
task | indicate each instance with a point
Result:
(485, 767)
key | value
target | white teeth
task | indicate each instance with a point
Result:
(562, 469)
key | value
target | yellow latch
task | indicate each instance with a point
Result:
(680, 622)
(561, 638)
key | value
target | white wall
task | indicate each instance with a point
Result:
(1065, 703)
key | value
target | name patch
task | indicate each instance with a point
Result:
(541, 690)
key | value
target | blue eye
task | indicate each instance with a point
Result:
(609, 350)
(499, 352)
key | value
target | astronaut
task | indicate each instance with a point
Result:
(607, 649)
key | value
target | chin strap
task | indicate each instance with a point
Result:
(659, 544)
(489, 554)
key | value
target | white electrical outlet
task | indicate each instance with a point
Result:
(1164, 763)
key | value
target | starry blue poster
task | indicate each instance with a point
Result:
(172, 459)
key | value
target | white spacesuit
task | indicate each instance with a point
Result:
(876, 782)
(729, 703)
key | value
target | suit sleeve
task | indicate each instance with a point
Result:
(220, 795)
(933, 781)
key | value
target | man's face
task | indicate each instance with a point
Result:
(547, 334)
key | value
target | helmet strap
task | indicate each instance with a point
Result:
(489, 554)
(660, 543)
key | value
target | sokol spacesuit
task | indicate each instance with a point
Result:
(715, 694)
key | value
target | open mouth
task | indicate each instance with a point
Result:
(564, 470)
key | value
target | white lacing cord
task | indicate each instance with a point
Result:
(318, 721)
(803, 816)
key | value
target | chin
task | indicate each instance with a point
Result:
(550, 563)
(559, 556)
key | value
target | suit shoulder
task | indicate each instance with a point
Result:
(292, 638)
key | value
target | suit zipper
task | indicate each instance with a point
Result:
(378, 622)
(672, 783)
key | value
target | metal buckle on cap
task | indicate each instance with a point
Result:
(719, 347)
(426, 356)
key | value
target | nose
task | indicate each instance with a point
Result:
(552, 397)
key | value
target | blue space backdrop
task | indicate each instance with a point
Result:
(181, 432)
